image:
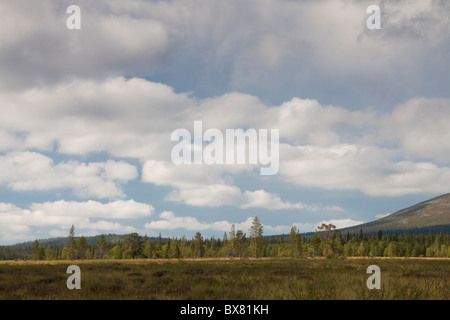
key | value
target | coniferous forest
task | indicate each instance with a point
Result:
(325, 242)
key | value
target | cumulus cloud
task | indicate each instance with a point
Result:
(27, 171)
(343, 98)
(325, 146)
(306, 121)
(170, 221)
(12, 226)
(91, 217)
(207, 186)
(218, 195)
(420, 126)
(119, 209)
(372, 170)
(115, 115)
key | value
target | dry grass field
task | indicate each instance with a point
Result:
(226, 279)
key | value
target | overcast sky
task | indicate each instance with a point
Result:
(86, 115)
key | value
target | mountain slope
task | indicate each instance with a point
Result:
(431, 216)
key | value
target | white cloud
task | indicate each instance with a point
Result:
(304, 121)
(243, 41)
(382, 215)
(90, 217)
(25, 171)
(169, 221)
(371, 170)
(12, 225)
(421, 127)
(342, 223)
(116, 115)
(212, 187)
(84, 92)
(338, 223)
(119, 209)
(327, 147)
(109, 43)
(264, 199)
(8, 141)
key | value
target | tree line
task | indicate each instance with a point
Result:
(325, 242)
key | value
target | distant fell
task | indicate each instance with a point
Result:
(431, 216)
(62, 241)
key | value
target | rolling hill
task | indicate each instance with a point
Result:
(431, 216)
(62, 241)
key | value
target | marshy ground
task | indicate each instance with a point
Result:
(226, 279)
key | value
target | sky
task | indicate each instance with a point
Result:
(87, 115)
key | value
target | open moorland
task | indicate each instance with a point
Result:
(230, 279)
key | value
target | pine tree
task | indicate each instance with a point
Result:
(177, 251)
(379, 235)
(174, 250)
(240, 243)
(225, 245)
(184, 247)
(233, 241)
(82, 248)
(72, 245)
(293, 239)
(256, 237)
(315, 242)
(38, 251)
(212, 247)
(158, 247)
(198, 245)
(101, 247)
(328, 229)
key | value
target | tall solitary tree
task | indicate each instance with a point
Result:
(233, 240)
(293, 241)
(329, 230)
(198, 245)
(256, 237)
(72, 245)
(225, 244)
